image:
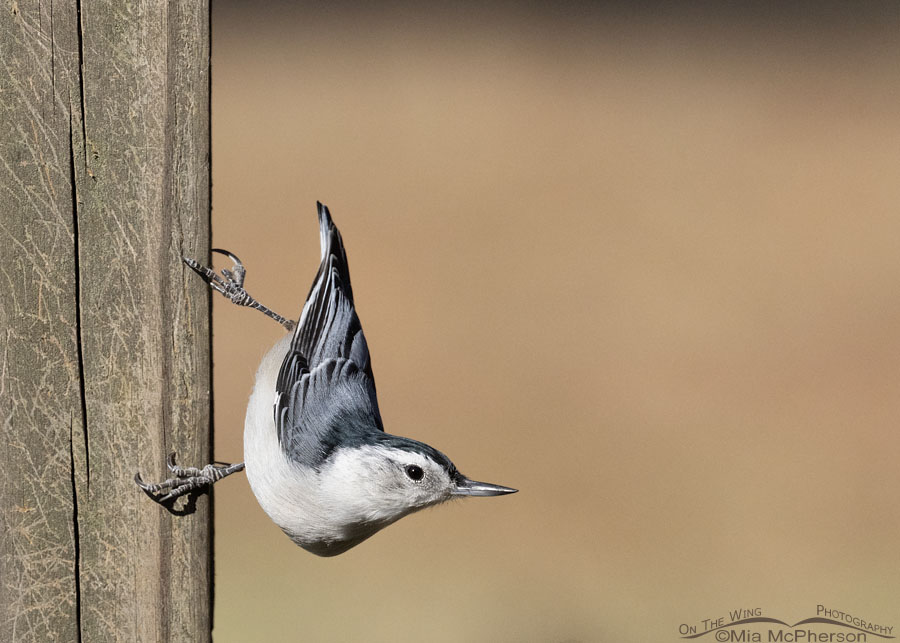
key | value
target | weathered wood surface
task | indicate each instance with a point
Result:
(104, 335)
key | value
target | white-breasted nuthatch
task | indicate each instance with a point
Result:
(316, 453)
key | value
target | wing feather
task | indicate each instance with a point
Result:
(325, 388)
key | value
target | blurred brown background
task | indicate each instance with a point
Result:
(642, 264)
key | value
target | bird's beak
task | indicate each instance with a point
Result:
(466, 487)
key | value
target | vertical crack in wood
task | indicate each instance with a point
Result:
(78, 334)
(76, 249)
(75, 531)
(79, 29)
(52, 52)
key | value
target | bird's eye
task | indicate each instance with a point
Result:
(414, 472)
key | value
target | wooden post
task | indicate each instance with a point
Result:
(104, 334)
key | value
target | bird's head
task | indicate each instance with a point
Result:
(391, 477)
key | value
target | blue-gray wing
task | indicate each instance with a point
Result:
(334, 404)
(325, 389)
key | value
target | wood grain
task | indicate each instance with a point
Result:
(104, 335)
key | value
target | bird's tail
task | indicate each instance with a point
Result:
(332, 249)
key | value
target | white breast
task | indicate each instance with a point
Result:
(292, 496)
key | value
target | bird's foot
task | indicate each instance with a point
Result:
(186, 479)
(231, 285)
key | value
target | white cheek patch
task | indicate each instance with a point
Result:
(374, 480)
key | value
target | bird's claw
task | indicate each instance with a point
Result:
(185, 479)
(230, 283)
(237, 272)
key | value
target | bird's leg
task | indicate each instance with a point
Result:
(186, 479)
(231, 285)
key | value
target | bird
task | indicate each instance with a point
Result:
(316, 453)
